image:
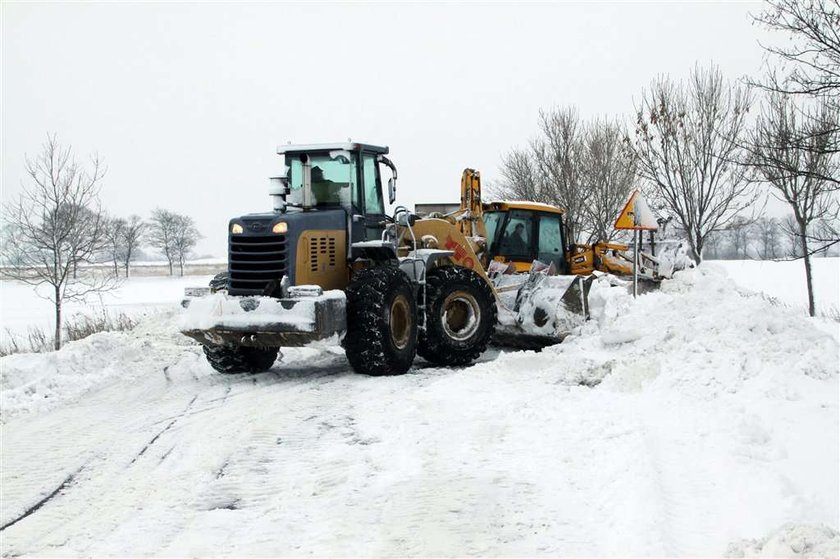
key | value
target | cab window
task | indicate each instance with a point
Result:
(491, 224)
(550, 242)
(517, 240)
(333, 178)
(372, 185)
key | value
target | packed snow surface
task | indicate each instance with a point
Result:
(700, 419)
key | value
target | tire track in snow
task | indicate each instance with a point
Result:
(44, 444)
(162, 431)
(34, 508)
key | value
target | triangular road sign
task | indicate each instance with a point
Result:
(636, 214)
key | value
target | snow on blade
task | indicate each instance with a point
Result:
(220, 310)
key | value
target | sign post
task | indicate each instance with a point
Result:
(636, 216)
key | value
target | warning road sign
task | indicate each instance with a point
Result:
(636, 215)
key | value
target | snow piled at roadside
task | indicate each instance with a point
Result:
(791, 540)
(37, 382)
(707, 334)
(742, 393)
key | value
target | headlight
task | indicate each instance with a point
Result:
(236, 229)
(280, 227)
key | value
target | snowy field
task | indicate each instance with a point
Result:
(698, 420)
(22, 307)
(785, 281)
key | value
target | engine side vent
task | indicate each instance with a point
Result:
(321, 253)
(321, 259)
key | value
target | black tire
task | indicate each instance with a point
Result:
(460, 317)
(381, 322)
(219, 282)
(239, 359)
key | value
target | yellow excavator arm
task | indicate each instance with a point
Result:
(470, 216)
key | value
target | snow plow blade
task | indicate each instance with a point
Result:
(544, 310)
(221, 319)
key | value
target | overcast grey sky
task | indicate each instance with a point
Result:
(186, 102)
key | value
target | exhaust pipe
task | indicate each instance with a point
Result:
(307, 181)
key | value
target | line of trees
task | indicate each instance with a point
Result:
(171, 234)
(766, 238)
(706, 151)
(57, 225)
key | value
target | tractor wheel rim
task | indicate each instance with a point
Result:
(460, 314)
(400, 321)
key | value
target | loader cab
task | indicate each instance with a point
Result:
(521, 232)
(328, 197)
(342, 175)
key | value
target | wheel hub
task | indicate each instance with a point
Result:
(400, 321)
(460, 315)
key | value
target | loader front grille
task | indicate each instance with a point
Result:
(254, 261)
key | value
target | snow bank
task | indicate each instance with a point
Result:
(705, 331)
(35, 382)
(791, 540)
(735, 400)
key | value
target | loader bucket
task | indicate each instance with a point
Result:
(545, 310)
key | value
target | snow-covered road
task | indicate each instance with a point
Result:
(673, 425)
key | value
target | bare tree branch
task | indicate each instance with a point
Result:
(55, 224)
(793, 171)
(688, 148)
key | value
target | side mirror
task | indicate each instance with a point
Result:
(392, 190)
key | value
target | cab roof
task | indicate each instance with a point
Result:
(345, 146)
(507, 205)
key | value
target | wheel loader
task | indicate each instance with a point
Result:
(329, 262)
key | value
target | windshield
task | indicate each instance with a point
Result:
(333, 178)
(491, 223)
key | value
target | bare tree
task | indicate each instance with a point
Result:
(580, 166)
(825, 235)
(793, 171)
(175, 235)
(521, 179)
(608, 174)
(739, 233)
(185, 238)
(132, 235)
(812, 55)
(558, 155)
(810, 68)
(161, 234)
(113, 235)
(768, 235)
(790, 230)
(55, 224)
(712, 246)
(688, 146)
